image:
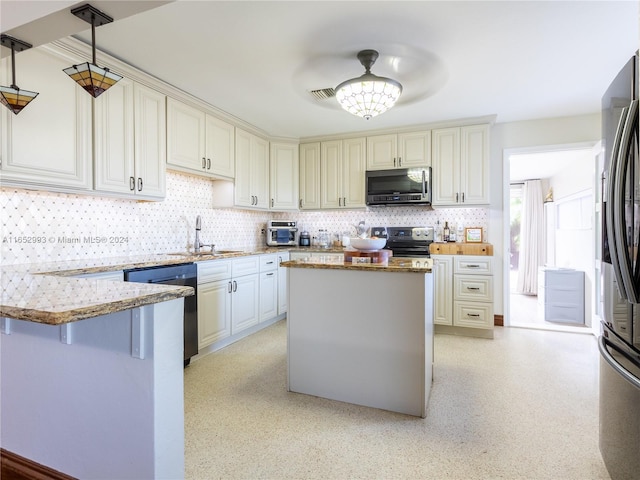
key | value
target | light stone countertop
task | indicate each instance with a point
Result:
(47, 293)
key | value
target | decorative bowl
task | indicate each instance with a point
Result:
(368, 244)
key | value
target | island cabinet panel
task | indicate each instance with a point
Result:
(361, 337)
(49, 144)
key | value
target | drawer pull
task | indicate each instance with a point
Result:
(473, 288)
(471, 265)
(475, 315)
(269, 274)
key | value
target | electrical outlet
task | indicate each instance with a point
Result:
(263, 231)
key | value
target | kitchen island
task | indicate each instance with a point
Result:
(362, 333)
(92, 371)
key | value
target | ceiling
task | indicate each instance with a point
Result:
(258, 60)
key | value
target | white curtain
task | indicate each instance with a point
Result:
(531, 237)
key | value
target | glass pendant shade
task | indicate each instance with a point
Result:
(16, 99)
(13, 97)
(369, 95)
(94, 79)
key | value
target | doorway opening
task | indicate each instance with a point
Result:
(565, 177)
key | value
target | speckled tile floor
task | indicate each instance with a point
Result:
(521, 406)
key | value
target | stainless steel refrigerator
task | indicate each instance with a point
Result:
(619, 343)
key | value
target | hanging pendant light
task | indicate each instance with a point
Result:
(94, 79)
(13, 97)
(368, 95)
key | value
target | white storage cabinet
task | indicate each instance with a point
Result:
(460, 160)
(403, 150)
(473, 292)
(562, 295)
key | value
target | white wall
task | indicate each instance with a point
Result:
(574, 204)
(523, 136)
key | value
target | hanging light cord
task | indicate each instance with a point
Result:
(13, 67)
(93, 37)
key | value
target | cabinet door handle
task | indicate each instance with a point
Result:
(230, 287)
(235, 286)
(456, 197)
(204, 162)
(139, 184)
(208, 164)
(462, 197)
(132, 183)
(272, 202)
(300, 204)
(394, 161)
(399, 161)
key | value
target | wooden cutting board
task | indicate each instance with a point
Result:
(461, 249)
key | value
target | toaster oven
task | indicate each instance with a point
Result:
(282, 233)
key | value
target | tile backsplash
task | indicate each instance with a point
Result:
(40, 226)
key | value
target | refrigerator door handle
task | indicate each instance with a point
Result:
(614, 214)
(625, 259)
(628, 376)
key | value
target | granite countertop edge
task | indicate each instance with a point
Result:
(50, 294)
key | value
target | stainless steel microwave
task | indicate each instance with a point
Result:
(400, 186)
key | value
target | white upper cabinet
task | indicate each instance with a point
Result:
(403, 150)
(198, 142)
(220, 152)
(252, 171)
(48, 144)
(283, 167)
(130, 141)
(310, 176)
(461, 165)
(342, 173)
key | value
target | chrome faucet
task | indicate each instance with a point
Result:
(197, 244)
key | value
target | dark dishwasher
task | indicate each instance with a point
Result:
(184, 274)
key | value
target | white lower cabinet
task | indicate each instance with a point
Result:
(245, 289)
(214, 301)
(463, 292)
(472, 292)
(443, 289)
(237, 294)
(268, 286)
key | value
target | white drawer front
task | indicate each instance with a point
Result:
(245, 265)
(471, 314)
(472, 265)
(475, 288)
(213, 270)
(268, 262)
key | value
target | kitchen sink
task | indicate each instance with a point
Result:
(207, 253)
